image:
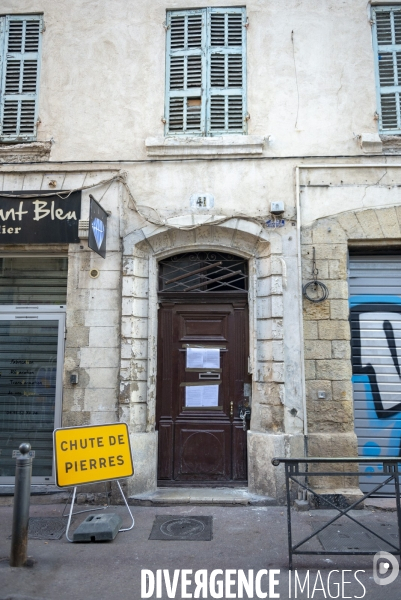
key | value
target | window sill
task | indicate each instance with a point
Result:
(27, 152)
(391, 144)
(370, 143)
(224, 145)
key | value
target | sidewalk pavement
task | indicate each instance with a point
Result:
(244, 537)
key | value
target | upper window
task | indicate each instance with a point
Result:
(20, 44)
(206, 71)
(387, 44)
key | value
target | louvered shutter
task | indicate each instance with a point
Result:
(387, 38)
(185, 72)
(20, 77)
(227, 71)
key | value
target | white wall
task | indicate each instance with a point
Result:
(102, 77)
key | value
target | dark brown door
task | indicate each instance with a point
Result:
(202, 445)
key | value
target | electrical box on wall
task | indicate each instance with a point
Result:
(277, 208)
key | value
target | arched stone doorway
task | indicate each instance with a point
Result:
(203, 384)
(275, 427)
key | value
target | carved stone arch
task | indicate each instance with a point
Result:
(237, 235)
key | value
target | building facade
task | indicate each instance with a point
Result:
(241, 151)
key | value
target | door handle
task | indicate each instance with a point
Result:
(244, 414)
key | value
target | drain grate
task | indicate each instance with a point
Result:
(46, 528)
(168, 527)
(348, 537)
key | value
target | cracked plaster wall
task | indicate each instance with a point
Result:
(88, 74)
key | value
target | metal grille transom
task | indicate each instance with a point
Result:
(203, 272)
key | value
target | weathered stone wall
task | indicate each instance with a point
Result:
(326, 326)
(92, 346)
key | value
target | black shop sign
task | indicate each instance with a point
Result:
(97, 227)
(38, 218)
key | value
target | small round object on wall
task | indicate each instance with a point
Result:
(315, 291)
(94, 273)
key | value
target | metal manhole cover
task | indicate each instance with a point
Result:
(46, 528)
(182, 528)
(350, 537)
(169, 527)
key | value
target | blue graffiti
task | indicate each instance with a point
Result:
(383, 401)
(372, 448)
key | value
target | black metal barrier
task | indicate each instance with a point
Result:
(390, 471)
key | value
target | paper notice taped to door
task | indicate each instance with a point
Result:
(210, 395)
(203, 358)
(202, 395)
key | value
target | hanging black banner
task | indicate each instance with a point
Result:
(97, 227)
(39, 219)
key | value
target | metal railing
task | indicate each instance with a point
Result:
(390, 472)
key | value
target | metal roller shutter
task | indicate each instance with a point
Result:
(33, 294)
(375, 303)
(25, 280)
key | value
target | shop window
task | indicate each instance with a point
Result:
(206, 71)
(20, 46)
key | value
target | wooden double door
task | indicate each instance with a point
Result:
(202, 444)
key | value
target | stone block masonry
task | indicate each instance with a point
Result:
(326, 328)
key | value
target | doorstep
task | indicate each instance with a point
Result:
(205, 496)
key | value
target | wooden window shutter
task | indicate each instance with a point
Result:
(21, 44)
(185, 72)
(226, 94)
(387, 45)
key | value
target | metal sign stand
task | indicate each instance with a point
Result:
(87, 509)
(90, 510)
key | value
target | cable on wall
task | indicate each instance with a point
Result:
(142, 210)
(161, 222)
(296, 77)
(64, 194)
(315, 291)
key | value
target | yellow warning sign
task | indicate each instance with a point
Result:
(92, 453)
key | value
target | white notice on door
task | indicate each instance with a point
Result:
(210, 395)
(203, 358)
(211, 358)
(202, 395)
(193, 395)
(194, 358)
